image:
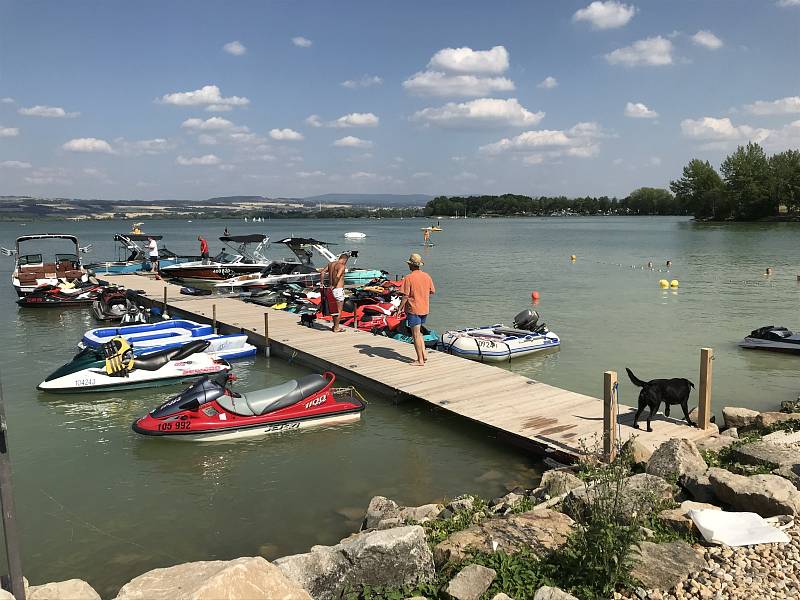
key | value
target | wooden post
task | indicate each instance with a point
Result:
(609, 415)
(704, 404)
(214, 317)
(13, 581)
(266, 334)
(165, 299)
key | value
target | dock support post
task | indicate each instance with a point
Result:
(165, 299)
(609, 415)
(704, 404)
(266, 334)
(13, 581)
(214, 317)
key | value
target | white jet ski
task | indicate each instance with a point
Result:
(774, 338)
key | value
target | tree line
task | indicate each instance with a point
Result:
(750, 185)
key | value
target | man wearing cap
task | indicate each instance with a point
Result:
(335, 293)
(416, 289)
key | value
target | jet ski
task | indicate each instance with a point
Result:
(113, 304)
(116, 367)
(774, 338)
(210, 411)
(61, 296)
(499, 343)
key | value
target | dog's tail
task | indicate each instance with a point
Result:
(635, 380)
(691, 385)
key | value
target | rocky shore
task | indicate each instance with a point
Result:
(522, 544)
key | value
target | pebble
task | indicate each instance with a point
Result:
(745, 573)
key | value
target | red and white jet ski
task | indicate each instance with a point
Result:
(210, 411)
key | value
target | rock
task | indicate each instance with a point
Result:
(767, 495)
(557, 482)
(765, 419)
(739, 417)
(763, 452)
(662, 566)
(552, 593)
(72, 589)
(470, 583)
(417, 598)
(383, 513)
(389, 523)
(791, 406)
(699, 487)
(509, 501)
(5, 595)
(393, 557)
(420, 514)
(731, 432)
(790, 472)
(240, 579)
(639, 452)
(461, 504)
(641, 492)
(675, 458)
(679, 520)
(380, 508)
(501, 596)
(540, 530)
(784, 438)
(716, 443)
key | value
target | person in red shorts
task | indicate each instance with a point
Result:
(416, 289)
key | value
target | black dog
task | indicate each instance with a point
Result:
(307, 320)
(656, 391)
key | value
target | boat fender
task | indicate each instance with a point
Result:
(674, 283)
(663, 283)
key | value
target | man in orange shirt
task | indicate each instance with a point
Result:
(416, 289)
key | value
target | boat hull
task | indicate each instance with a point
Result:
(209, 272)
(771, 345)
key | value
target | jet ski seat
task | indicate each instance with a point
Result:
(261, 402)
(155, 360)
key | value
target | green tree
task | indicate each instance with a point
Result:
(785, 179)
(651, 201)
(698, 189)
(747, 177)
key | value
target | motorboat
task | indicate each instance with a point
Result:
(300, 268)
(32, 269)
(210, 410)
(238, 259)
(355, 235)
(114, 366)
(172, 333)
(774, 338)
(499, 343)
(63, 295)
(132, 256)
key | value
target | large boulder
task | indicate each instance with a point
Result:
(675, 458)
(383, 513)
(552, 593)
(470, 583)
(71, 589)
(768, 452)
(699, 487)
(241, 579)
(739, 417)
(790, 472)
(538, 530)
(380, 508)
(662, 566)
(557, 482)
(639, 452)
(392, 557)
(678, 519)
(767, 495)
(717, 442)
(765, 419)
(638, 493)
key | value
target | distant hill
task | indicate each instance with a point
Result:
(372, 199)
(222, 199)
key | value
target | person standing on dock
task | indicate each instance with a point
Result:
(203, 249)
(416, 289)
(334, 295)
(153, 246)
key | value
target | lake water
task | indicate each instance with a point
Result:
(95, 501)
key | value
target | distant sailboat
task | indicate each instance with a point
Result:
(245, 219)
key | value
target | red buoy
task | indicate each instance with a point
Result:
(534, 295)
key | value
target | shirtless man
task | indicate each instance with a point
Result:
(335, 273)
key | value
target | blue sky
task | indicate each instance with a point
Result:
(191, 99)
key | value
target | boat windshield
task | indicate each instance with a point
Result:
(70, 258)
(227, 257)
(29, 259)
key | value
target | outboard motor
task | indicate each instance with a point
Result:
(527, 319)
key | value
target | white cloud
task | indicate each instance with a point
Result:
(15, 164)
(140, 147)
(235, 47)
(211, 124)
(219, 108)
(285, 135)
(302, 42)
(437, 83)
(421, 174)
(208, 96)
(637, 110)
(356, 120)
(206, 159)
(707, 40)
(314, 121)
(491, 112)
(51, 112)
(714, 129)
(606, 15)
(7, 100)
(785, 138)
(309, 174)
(88, 145)
(465, 176)
(364, 82)
(653, 51)
(785, 3)
(467, 60)
(548, 83)
(654, 161)
(8, 131)
(782, 106)
(351, 141)
(579, 141)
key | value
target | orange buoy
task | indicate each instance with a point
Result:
(534, 295)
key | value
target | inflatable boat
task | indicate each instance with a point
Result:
(116, 367)
(499, 343)
(164, 335)
(210, 411)
(774, 338)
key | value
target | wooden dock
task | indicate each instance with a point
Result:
(523, 411)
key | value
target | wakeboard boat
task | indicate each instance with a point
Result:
(32, 269)
(774, 338)
(132, 255)
(237, 259)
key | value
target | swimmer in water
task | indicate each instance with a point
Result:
(669, 264)
(769, 271)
